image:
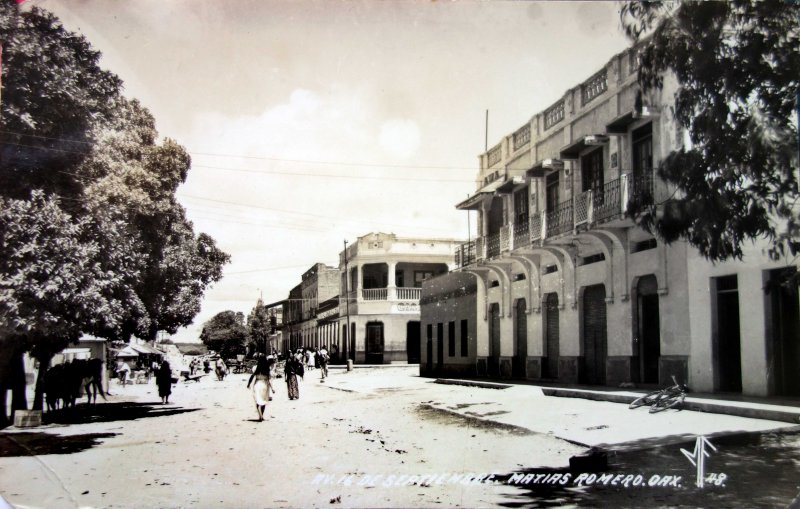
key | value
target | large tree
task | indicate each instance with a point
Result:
(53, 91)
(259, 327)
(53, 284)
(737, 66)
(225, 333)
(131, 178)
(92, 238)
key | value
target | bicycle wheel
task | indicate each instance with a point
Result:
(647, 399)
(669, 401)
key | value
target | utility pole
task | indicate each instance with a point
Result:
(347, 304)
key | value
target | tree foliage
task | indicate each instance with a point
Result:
(92, 237)
(225, 333)
(133, 179)
(258, 328)
(737, 66)
(53, 91)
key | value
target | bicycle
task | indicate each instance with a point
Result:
(662, 399)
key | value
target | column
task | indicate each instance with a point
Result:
(392, 286)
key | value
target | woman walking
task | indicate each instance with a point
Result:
(292, 370)
(164, 382)
(262, 387)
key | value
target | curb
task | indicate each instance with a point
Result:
(472, 383)
(738, 410)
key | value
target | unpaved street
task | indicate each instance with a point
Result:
(368, 438)
(205, 450)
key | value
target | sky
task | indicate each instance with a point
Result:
(314, 122)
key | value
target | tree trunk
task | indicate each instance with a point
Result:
(19, 398)
(44, 365)
(4, 420)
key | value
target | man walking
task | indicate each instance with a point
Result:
(322, 358)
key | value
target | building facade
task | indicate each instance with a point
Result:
(380, 286)
(561, 285)
(318, 284)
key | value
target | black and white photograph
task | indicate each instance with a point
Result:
(399, 254)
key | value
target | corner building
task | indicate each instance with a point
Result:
(561, 286)
(381, 282)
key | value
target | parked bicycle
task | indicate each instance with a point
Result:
(662, 399)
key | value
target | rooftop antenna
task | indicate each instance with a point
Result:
(486, 133)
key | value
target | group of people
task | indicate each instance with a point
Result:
(294, 367)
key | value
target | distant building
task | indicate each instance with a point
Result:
(319, 283)
(380, 285)
(561, 285)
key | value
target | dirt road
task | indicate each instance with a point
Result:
(367, 438)
(330, 448)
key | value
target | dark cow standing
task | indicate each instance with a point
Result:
(64, 382)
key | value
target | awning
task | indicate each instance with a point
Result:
(128, 351)
(507, 186)
(620, 124)
(545, 167)
(473, 202)
(574, 149)
(145, 349)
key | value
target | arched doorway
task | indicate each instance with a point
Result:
(595, 341)
(648, 330)
(413, 342)
(374, 345)
(520, 339)
(551, 351)
(785, 320)
(494, 340)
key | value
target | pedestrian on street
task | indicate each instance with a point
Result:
(164, 382)
(292, 370)
(322, 359)
(309, 360)
(263, 386)
(123, 372)
(221, 369)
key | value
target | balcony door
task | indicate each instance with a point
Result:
(592, 172)
(551, 192)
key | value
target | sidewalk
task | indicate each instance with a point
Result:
(773, 409)
(591, 418)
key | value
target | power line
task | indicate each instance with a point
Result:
(322, 216)
(327, 175)
(243, 156)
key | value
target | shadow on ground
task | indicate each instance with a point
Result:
(746, 470)
(39, 443)
(108, 412)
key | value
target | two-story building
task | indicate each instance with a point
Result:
(381, 281)
(561, 285)
(318, 284)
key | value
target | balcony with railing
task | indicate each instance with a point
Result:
(608, 204)
(493, 245)
(560, 219)
(409, 293)
(466, 254)
(522, 236)
(374, 293)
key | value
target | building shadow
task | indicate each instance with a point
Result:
(109, 412)
(40, 443)
(744, 469)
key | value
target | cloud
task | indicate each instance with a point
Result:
(400, 137)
